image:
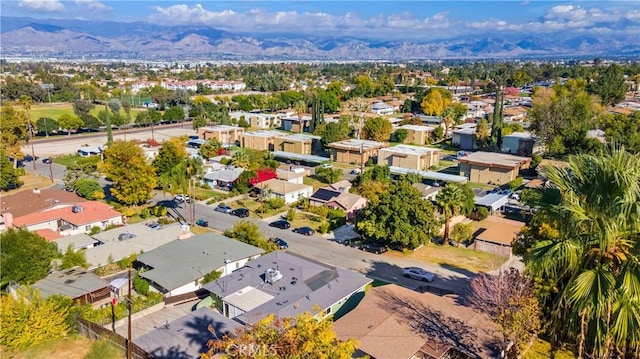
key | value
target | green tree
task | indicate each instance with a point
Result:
(211, 148)
(81, 168)
(170, 155)
(286, 338)
(46, 125)
(82, 108)
(399, 218)
(377, 129)
(73, 258)
(401, 134)
(210, 277)
(462, 233)
(435, 101)
(453, 200)
(8, 173)
(140, 285)
(592, 258)
(249, 233)
(25, 256)
(335, 131)
(610, 85)
(69, 122)
(13, 132)
(328, 175)
(89, 188)
(29, 320)
(483, 134)
(199, 121)
(133, 178)
(364, 87)
(174, 113)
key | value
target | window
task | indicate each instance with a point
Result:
(327, 311)
(87, 228)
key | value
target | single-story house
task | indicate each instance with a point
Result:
(36, 200)
(223, 179)
(355, 151)
(295, 176)
(76, 283)
(178, 267)
(67, 220)
(393, 322)
(337, 197)
(223, 133)
(492, 201)
(417, 134)
(381, 108)
(187, 336)
(259, 140)
(291, 192)
(87, 151)
(521, 144)
(286, 285)
(300, 143)
(431, 120)
(408, 156)
(495, 168)
(428, 192)
(514, 113)
(497, 235)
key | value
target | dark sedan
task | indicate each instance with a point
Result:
(240, 212)
(279, 242)
(372, 248)
(282, 224)
(307, 231)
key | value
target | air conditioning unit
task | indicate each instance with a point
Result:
(272, 275)
(76, 209)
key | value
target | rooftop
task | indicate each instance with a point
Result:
(525, 135)
(493, 159)
(411, 150)
(304, 284)
(432, 175)
(357, 145)
(493, 200)
(182, 261)
(499, 230)
(225, 175)
(263, 133)
(418, 128)
(25, 202)
(299, 137)
(74, 283)
(220, 128)
(299, 157)
(282, 187)
(92, 211)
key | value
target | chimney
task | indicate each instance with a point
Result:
(8, 220)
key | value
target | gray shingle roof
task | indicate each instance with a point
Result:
(304, 284)
(74, 283)
(187, 336)
(182, 261)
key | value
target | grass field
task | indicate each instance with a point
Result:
(55, 110)
(74, 347)
(454, 257)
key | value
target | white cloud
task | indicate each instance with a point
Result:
(93, 5)
(42, 5)
(399, 25)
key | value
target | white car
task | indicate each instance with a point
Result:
(326, 165)
(418, 273)
(182, 198)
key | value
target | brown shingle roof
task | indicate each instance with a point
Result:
(25, 202)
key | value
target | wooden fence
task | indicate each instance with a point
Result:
(95, 331)
(186, 297)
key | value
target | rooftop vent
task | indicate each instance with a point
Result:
(76, 209)
(272, 275)
(36, 190)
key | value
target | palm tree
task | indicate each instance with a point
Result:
(595, 259)
(300, 108)
(241, 158)
(452, 201)
(448, 118)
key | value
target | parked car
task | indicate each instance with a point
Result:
(282, 224)
(307, 231)
(326, 165)
(240, 212)
(46, 161)
(126, 235)
(182, 198)
(202, 223)
(372, 248)
(280, 242)
(223, 208)
(418, 273)
(356, 171)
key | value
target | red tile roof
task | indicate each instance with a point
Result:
(48, 234)
(91, 212)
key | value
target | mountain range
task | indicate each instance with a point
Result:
(67, 38)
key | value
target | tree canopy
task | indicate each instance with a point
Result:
(610, 85)
(25, 256)
(126, 165)
(399, 218)
(377, 129)
(8, 174)
(248, 232)
(13, 131)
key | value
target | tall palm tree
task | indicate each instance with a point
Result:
(241, 158)
(595, 258)
(452, 201)
(301, 109)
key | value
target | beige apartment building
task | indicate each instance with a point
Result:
(411, 157)
(299, 143)
(355, 151)
(491, 167)
(417, 134)
(259, 140)
(223, 133)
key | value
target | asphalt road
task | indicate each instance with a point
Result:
(384, 267)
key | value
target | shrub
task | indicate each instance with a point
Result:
(140, 285)
(320, 211)
(210, 277)
(462, 233)
(291, 215)
(144, 213)
(159, 211)
(515, 184)
(482, 213)
(324, 227)
(127, 262)
(275, 203)
(94, 230)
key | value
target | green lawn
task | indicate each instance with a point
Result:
(66, 160)
(541, 349)
(57, 109)
(206, 193)
(303, 219)
(313, 182)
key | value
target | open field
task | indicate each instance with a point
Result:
(57, 109)
(453, 257)
(74, 347)
(30, 181)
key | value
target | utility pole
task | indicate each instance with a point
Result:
(129, 318)
(361, 158)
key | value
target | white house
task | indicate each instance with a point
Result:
(382, 108)
(291, 192)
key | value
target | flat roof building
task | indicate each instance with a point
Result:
(223, 133)
(491, 167)
(411, 157)
(355, 151)
(417, 134)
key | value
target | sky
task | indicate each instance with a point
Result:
(383, 19)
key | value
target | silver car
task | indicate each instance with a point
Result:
(418, 273)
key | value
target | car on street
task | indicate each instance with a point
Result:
(240, 212)
(307, 231)
(46, 161)
(202, 223)
(279, 242)
(418, 273)
(372, 248)
(182, 198)
(282, 224)
(223, 208)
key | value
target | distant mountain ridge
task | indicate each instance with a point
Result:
(110, 39)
